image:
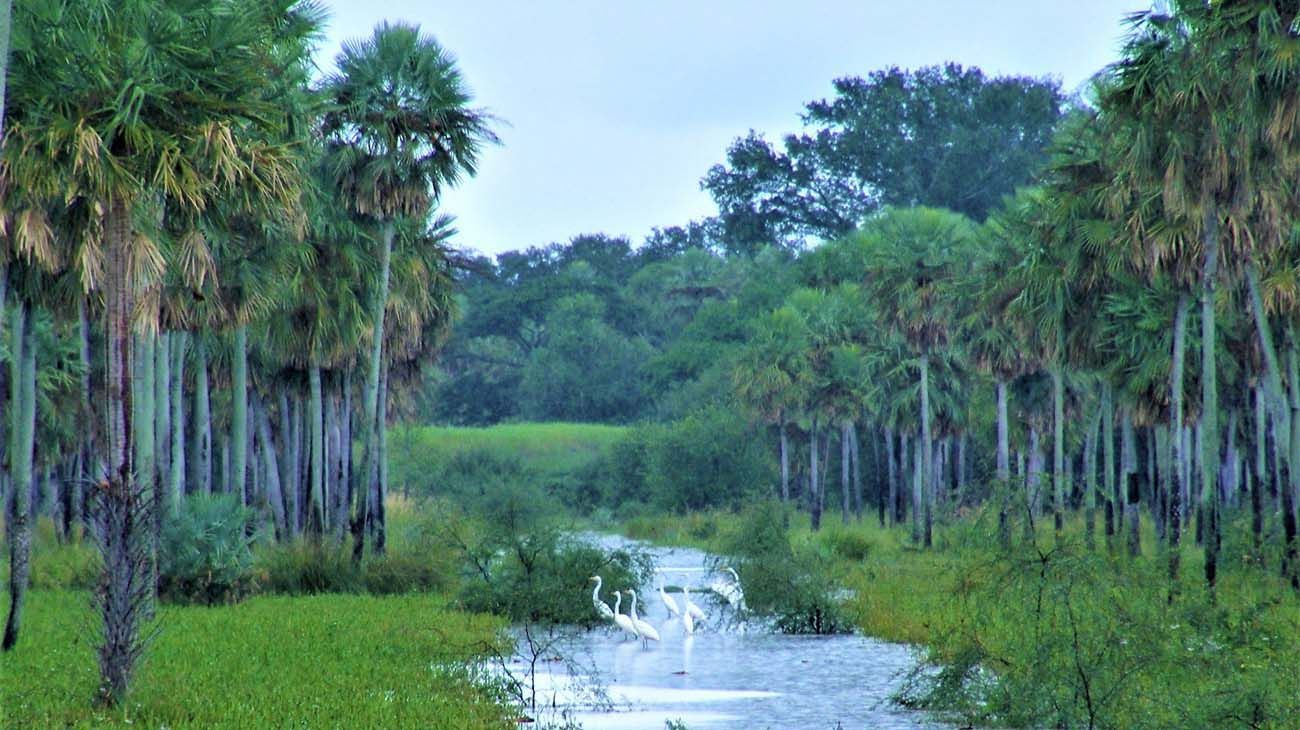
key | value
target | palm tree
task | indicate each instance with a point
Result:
(400, 129)
(913, 257)
(765, 376)
(192, 122)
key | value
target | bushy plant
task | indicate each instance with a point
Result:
(207, 551)
(792, 584)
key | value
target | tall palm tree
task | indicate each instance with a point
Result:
(399, 129)
(913, 258)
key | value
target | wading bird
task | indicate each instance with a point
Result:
(731, 592)
(601, 607)
(642, 627)
(695, 611)
(623, 622)
(669, 603)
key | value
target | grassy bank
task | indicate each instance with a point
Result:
(550, 448)
(1050, 633)
(311, 661)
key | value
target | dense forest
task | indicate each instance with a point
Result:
(1010, 326)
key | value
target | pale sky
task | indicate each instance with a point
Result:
(613, 111)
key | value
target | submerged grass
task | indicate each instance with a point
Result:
(315, 661)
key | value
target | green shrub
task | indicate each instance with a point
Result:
(207, 551)
(794, 585)
(307, 567)
(543, 576)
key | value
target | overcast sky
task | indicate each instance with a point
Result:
(613, 111)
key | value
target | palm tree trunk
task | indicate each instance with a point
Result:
(1033, 486)
(370, 402)
(814, 504)
(22, 440)
(177, 486)
(146, 466)
(162, 411)
(1209, 452)
(201, 461)
(1058, 449)
(1090, 478)
(1261, 475)
(316, 427)
(381, 492)
(917, 489)
(927, 448)
(1178, 470)
(122, 601)
(846, 499)
(87, 447)
(274, 495)
(855, 454)
(334, 491)
(1276, 397)
(301, 498)
(287, 482)
(785, 463)
(892, 458)
(239, 413)
(1108, 461)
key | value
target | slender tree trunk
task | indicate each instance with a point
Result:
(1090, 478)
(1033, 487)
(1209, 451)
(162, 410)
(146, 465)
(855, 457)
(1275, 395)
(177, 486)
(22, 441)
(201, 464)
(814, 503)
(288, 486)
(1178, 458)
(336, 505)
(960, 467)
(316, 426)
(300, 500)
(1261, 474)
(239, 413)
(918, 488)
(87, 411)
(846, 499)
(785, 463)
(1003, 461)
(274, 495)
(1058, 450)
(893, 476)
(370, 402)
(381, 493)
(927, 448)
(1108, 461)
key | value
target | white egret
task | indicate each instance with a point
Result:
(690, 607)
(731, 591)
(689, 622)
(642, 627)
(601, 607)
(669, 603)
(623, 622)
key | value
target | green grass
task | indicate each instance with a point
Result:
(550, 448)
(318, 661)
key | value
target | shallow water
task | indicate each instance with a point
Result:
(727, 675)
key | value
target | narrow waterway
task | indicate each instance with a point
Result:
(729, 674)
